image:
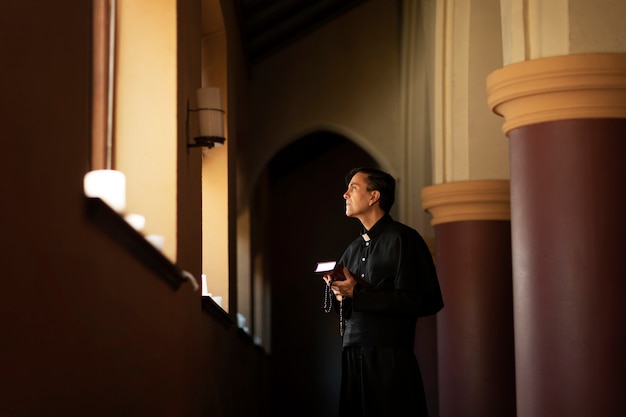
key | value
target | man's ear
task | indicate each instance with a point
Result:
(374, 197)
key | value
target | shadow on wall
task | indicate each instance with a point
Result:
(306, 224)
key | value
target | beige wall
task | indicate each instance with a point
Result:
(145, 113)
(351, 88)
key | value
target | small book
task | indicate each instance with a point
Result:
(332, 268)
(335, 270)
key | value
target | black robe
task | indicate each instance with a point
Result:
(380, 373)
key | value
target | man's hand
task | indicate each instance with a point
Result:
(344, 288)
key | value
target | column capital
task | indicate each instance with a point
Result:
(579, 86)
(468, 200)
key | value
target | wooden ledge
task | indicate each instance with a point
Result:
(210, 307)
(119, 230)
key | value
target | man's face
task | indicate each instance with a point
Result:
(357, 196)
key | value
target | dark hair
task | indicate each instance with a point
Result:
(380, 181)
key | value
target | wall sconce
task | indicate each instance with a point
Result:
(210, 118)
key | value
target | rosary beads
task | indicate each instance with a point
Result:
(328, 305)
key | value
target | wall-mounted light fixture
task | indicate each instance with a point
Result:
(210, 119)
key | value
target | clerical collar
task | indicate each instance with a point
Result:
(367, 235)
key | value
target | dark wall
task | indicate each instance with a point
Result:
(87, 329)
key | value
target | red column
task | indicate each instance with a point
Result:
(566, 121)
(475, 332)
(568, 182)
(475, 345)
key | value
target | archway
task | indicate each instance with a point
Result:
(306, 223)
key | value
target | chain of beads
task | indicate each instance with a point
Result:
(328, 305)
(341, 317)
(328, 299)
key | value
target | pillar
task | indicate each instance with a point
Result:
(565, 117)
(475, 328)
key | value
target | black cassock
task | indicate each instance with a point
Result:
(380, 373)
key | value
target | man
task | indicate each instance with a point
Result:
(390, 281)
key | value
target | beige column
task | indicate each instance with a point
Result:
(469, 204)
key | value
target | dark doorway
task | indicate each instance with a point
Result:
(306, 223)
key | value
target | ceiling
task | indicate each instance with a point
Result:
(270, 25)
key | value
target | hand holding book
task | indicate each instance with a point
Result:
(331, 272)
(335, 272)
